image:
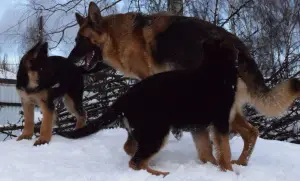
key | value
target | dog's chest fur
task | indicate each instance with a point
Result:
(33, 98)
(62, 76)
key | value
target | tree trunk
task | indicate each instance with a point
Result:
(232, 20)
(41, 28)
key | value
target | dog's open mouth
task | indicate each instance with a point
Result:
(88, 58)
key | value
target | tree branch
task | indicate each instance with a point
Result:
(235, 12)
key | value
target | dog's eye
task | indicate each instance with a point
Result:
(94, 41)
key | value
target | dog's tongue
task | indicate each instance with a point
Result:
(88, 59)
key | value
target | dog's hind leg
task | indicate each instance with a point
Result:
(203, 146)
(148, 145)
(28, 109)
(74, 105)
(221, 142)
(221, 138)
(249, 134)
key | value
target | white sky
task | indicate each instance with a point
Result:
(10, 13)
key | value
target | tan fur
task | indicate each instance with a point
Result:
(28, 101)
(80, 120)
(271, 103)
(33, 79)
(127, 56)
(159, 23)
(122, 50)
(32, 75)
(144, 164)
(124, 47)
(130, 146)
(204, 147)
(128, 50)
(28, 130)
(249, 134)
(49, 117)
(223, 153)
(46, 127)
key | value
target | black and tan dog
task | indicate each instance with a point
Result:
(40, 80)
(181, 99)
(93, 60)
(141, 45)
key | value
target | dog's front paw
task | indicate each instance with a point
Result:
(24, 136)
(239, 162)
(41, 142)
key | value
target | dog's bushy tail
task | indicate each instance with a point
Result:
(274, 101)
(109, 118)
(252, 88)
(278, 99)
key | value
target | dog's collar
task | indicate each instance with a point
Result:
(55, 85)
(38, 88)
(31, 90)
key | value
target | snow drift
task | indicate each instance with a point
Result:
(100, 157)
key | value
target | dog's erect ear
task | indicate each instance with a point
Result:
(42, 51)
(230, 48)
(210, 45)
(44, 48)
(94, 13)
(35, 48)
(227, 45)
(79, 19)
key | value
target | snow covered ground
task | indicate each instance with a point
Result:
(11, 115)
(7, 74)
(101, 158)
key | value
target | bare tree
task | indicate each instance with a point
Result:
(175, 6)
(34, 33)
(270, 29)
(4, 66)
(100, 89)
(59, 21)
(147, 6)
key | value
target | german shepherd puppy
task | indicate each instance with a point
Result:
(141, 45)
(40, 80)
(181, 99)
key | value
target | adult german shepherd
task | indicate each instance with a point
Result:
(181, 99)
(40, 80)
(141, 45)
(93, 59)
